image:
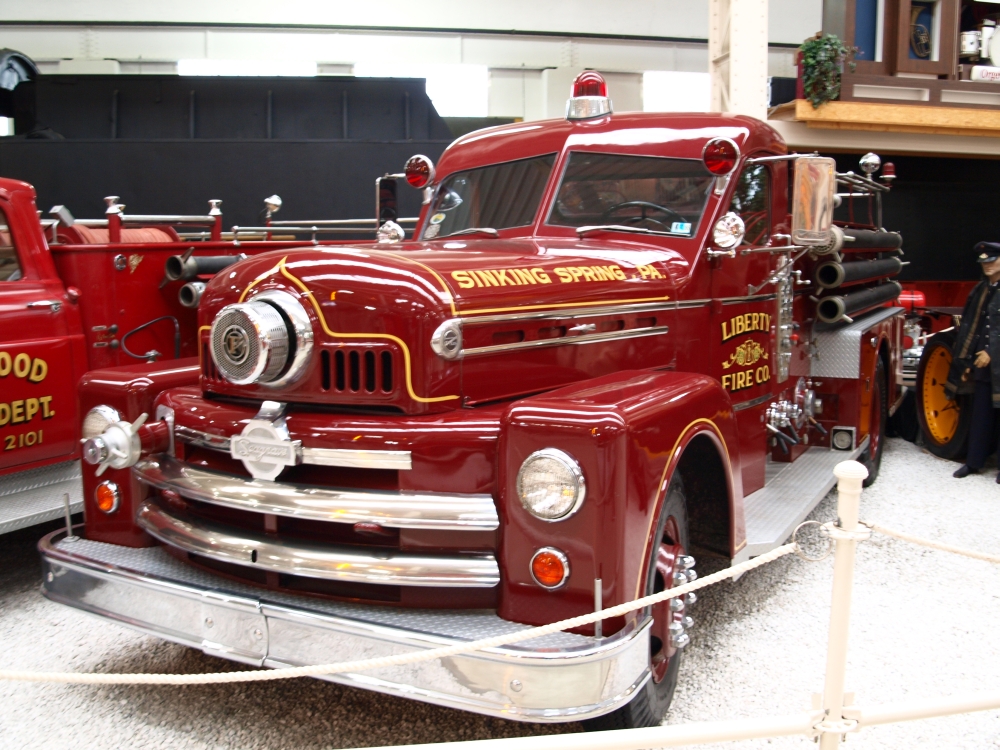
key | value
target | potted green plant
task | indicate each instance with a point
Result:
(821, 63)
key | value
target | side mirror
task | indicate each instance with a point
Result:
(814, 186)
(386, 203)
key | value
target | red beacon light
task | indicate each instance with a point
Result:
(588, 97)
(720, 156)
(419, 171)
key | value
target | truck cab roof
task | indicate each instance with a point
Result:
(679, 134)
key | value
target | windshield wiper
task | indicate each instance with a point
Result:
(474, 230)
(623, 228)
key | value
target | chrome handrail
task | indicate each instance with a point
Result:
(301, 228)
(338, 222)
(166, 219)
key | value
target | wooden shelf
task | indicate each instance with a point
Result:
(892, 118)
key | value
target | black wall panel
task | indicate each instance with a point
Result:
(315, 179)
(167, 144)
(153, 106)
(943, 207)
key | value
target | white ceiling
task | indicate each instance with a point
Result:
(790, 21)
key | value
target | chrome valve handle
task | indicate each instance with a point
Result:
(118, 446)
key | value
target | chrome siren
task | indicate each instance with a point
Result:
(267, 340)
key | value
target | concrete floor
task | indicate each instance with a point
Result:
(923, 625)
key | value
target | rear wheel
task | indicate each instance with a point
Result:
(878, 420)
(944, 424)
(669, 563)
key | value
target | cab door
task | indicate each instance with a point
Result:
(38, 371)
(745, 317)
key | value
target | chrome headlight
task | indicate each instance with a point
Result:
(267, 340)
(550, 485)
(98, 420)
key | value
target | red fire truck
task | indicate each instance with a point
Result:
(82, 294)
(615, 340)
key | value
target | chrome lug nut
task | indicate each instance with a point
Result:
(676, 605)
(680, 641)
(680, 578)
(688, 622)
(690, 599)
(690, 576)
(685, 562)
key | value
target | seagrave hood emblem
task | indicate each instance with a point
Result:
(265, 448)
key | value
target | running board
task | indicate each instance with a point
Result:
(35, 496)
(774, 511)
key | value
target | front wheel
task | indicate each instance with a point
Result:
(669, 565)
(944, 424)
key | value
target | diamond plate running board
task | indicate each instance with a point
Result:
(773, 512)
(35, 496)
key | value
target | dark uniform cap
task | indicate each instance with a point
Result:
(987, 252)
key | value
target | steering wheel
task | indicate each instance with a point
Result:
(643, 206)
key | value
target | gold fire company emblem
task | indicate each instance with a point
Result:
(747, 353)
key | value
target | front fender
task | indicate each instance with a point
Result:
(628, 432)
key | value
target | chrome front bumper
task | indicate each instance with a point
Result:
(402, 510)
(557, 678)
(329, 562)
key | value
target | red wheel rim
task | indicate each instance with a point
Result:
(667, 554)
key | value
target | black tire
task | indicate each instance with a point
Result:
(650, 704)
(872, 457)
(943, 434)
(904, 422)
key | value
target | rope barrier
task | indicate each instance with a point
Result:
(932, 544)
(413, 657)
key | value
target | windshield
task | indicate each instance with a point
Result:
(495, 197)
(649, 192)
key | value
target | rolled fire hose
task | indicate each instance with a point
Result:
(834, 309)
(832, 274)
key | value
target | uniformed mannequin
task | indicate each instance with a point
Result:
(975, 365)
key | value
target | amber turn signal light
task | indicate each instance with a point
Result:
(108, 497)
(549, 568)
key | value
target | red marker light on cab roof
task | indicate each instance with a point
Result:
(720, 156)
(419, 171)
(589, 83)
(588, 97)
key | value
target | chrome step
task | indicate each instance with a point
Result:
(36, 495)
(791, 492)
(154, 565)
